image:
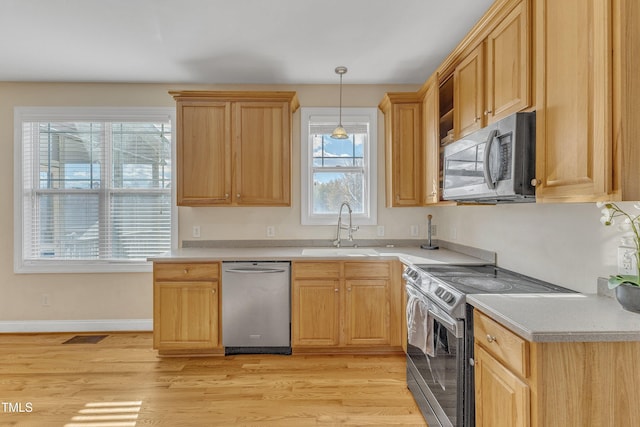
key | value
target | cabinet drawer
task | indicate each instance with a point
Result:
(316, 270)
(377, 269)
(187, 271)
(501, 343)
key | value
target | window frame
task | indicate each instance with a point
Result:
(50, 114)
(370, 114)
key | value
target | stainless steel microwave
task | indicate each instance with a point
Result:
(494, 164)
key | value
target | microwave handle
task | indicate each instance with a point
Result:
(487, 153)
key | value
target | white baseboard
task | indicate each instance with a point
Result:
(100, 325)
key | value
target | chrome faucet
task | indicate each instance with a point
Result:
(350, 228)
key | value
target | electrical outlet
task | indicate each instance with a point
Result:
(45, 300)
(196, 231)
(271, 231)
(627, 263)
(380, 231)
(454, 233)
(434, 230)
(414, 231)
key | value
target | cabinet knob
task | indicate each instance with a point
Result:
(491, 339)
(238, 195)
(486, 113)
(349, 289)
(335, 290)
(535, 182)
(186, 271)
(226, 195)
(213, 291)
(476, 120)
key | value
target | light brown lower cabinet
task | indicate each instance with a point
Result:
(345, 306)
(547, 384)
(186, 308)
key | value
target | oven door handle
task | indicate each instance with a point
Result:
(452, 325)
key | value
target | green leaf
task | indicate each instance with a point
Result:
(619, 279)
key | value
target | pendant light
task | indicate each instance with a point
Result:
(339, 132)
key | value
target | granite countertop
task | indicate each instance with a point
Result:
(406, 254)
(561, 317)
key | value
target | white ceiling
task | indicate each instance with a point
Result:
(230, 41)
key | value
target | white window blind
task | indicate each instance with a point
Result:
(95, 187)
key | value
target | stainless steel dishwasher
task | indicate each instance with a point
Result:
(256, 307)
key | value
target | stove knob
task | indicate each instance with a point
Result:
(448, 297)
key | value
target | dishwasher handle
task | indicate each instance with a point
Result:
(255, 270)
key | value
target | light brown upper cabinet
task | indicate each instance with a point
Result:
(431, 156)
(493, 80)
(508, 66)
(403, 148)
(468, 90)
(234, 148)
(588, 100)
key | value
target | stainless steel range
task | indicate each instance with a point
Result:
(440, 334)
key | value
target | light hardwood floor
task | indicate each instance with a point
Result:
(120, 382)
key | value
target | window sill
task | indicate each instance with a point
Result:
(62, 267)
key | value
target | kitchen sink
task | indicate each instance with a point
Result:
(339, 252)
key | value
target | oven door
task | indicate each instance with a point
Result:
(435, 370)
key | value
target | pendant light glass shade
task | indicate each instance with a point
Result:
(339, 132)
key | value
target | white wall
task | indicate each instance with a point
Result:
(561, 243)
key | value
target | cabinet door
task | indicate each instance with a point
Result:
(315, 317)
(502, 399)
(468, 92)
(573, 120)
(185, 315)
(204, 153)
(262, 154)
(367, 312)
(405, 151)
(508, 65)
(432, 145)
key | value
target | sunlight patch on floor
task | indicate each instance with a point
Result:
(107, 414)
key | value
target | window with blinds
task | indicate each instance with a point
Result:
(338, 170)
(94, 187)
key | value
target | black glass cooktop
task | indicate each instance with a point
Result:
(488, 279)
